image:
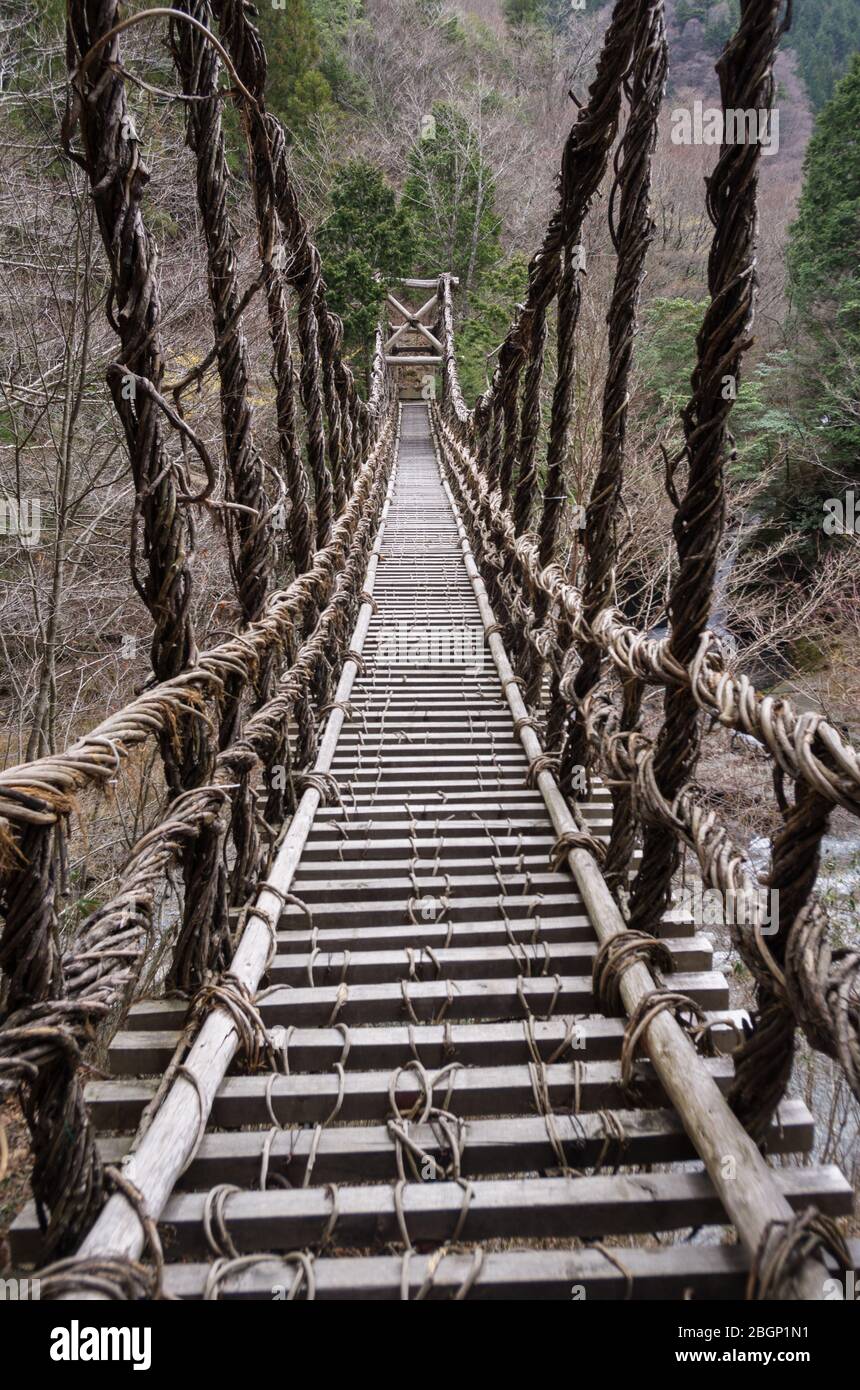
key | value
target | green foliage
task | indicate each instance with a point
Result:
(826, 34)
(366, 232)
(824, 250)
(335, 20)
(339, 23)
(824, 264)
(297, 89)
(489, 318)
(666, 358)
(800, 408)
(762, 422)
(666, 352)
(719, 19)
(554, 15)
(519, 12)
(53, 15)
(450, 192)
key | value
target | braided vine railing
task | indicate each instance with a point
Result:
(569, 624)
(224, 718)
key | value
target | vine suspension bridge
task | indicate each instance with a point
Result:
(429, 1024)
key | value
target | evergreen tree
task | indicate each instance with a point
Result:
(367, 232)
(450, 192)
(824, 264)
(824, 250)
(665, 359)
(826, 34)
(823, 447)
(479, 336)
(296, 89)
(339, 23)
(518, 12)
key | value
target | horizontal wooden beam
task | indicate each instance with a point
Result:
(679, 1272)
(428, 284)
(519, 1144)
(503, 1209)
(143, 1049)
(412, 361)
(479, 1091)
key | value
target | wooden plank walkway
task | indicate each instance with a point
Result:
(452, 1121)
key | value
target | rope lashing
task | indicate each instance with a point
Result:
(614, 1137)
(571, 1038)
(576, 839)
(255, 1040)
(434, 1262)
(298, 1265)
(526, 1006)
(526, 722)
(786, 1245)
(686, 1010)
(616, 955)
(543, 762)
(401, 1187)
(539, 1080)
(218, 1238)
(111, 1277)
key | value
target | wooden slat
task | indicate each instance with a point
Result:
(455, 804)
(145, 1050)
(462, 962)
(570, 927)
(359, 887)
(503, 1209)
(483, 1000)
(311, 1098)
(513, 1145)
(395, 912)
(679, 1272)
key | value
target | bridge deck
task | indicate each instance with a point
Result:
(450, 1083)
